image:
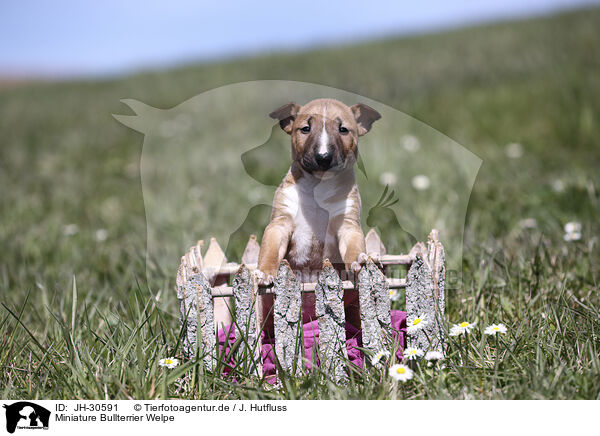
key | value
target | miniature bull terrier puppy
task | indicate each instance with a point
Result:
(317, 207)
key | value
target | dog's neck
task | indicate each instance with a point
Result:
(322, 180)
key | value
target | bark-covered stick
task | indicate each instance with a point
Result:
(437, 261)
(425, 295)
(332, 323)
(246, 323)
(196, 306)
(287, 313)
(374, 299)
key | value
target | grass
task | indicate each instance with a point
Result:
(81, 319)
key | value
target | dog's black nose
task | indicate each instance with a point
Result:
(324, 159)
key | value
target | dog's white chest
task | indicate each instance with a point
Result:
(312, 211)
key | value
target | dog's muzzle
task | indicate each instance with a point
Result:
(324, 160)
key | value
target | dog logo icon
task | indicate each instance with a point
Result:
(26, 415)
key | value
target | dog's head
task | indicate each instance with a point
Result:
(325, 132)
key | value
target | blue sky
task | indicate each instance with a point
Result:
(70, 38)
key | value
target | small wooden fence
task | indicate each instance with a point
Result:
(202, 280)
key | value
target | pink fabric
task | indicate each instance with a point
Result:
(311, 334)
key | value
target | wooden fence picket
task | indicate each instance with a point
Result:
(374, 298)
(247, 327)
(197, 313)
(425, 296)
(250, 256)
(214, 260)
(373, 243)
(287, 313)
(329, 308)
(437, 260)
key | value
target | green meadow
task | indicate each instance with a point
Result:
(81, 317)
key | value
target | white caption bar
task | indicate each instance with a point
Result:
(89, 418)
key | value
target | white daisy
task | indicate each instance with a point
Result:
(70, 229)
(514, 150)
(574, 236)
(412, 353)
(462, 328)
(376, 358)
(572, 231)
(495, 328)
(455, 331)
(169, 362)
(558, 185)
(434, 355)
(394, 294)
(421, 182)
(410, 143)
(416, 323)
(101, 235)
(400, 372)
(388, 178)
(572, 226)
(528, 223)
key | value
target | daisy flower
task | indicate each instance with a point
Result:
(394, 294)
(410, 143)
(70, 229)
(169, 362)
(528, 223)
(575, 236)
(388, 178)
(558, 185)
(434, 355)
(462, 328)
(421, 182)
(495, 328)
(416, 323)
(400, 372)
(376, 358)
(514, 150)
(572, 231)
(412, 353)
(101, 235)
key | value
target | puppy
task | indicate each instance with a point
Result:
(317, 207)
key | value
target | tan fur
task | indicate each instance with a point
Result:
(316, 209)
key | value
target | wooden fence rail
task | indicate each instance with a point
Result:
(204, 280)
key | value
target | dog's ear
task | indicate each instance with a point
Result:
(286, 115)
(365, 116)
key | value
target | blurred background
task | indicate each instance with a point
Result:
(513, 83)
(66, 38)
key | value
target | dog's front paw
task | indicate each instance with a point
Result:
(264, 279)
(375, 256)
(360, 261)
(362, 258)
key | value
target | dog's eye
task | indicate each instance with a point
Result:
(305, 129)
(342, 129)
